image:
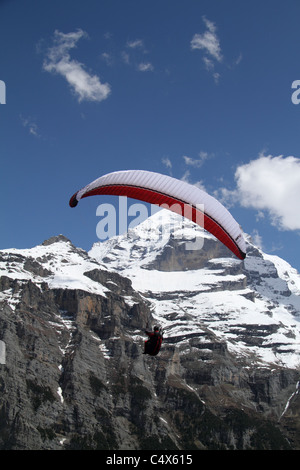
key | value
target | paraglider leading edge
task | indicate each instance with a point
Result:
(160, 189)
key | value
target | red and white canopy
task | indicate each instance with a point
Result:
(173, 194)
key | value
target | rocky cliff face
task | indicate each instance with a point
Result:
(74, 376)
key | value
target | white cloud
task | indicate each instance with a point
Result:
(216, 77)
(138, 43)
(31, 125)
(239, 59)
(257, 239)
(107, 58)
(85, 86)
(228, 197)
(197, 162)
(145, 67)
(271, 186)
(209, 42)
(186, 179)
(167, 162)
(134, 56)
(125, 57)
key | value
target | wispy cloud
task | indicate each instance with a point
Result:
(136, 44)
(186, 177)
(197, 162)
(107, 58)
(145, 67)
(133, 54)
(210, 44)
(167, 162)
(257, 239)
(208, 41)
(125, 57)
(85, 86)
(30, 124)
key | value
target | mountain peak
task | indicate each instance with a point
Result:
(190, 287)
(56, 239)
(230, 349)
(194, 287)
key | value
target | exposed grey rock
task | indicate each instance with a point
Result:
(175, 256)
(75, 376)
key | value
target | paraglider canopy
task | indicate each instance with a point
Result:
(173, 194)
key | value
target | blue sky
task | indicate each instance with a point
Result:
(200, 90)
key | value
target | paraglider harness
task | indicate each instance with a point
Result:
(153, 344)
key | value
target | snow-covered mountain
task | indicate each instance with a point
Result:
(72, 324)
(193, 284)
